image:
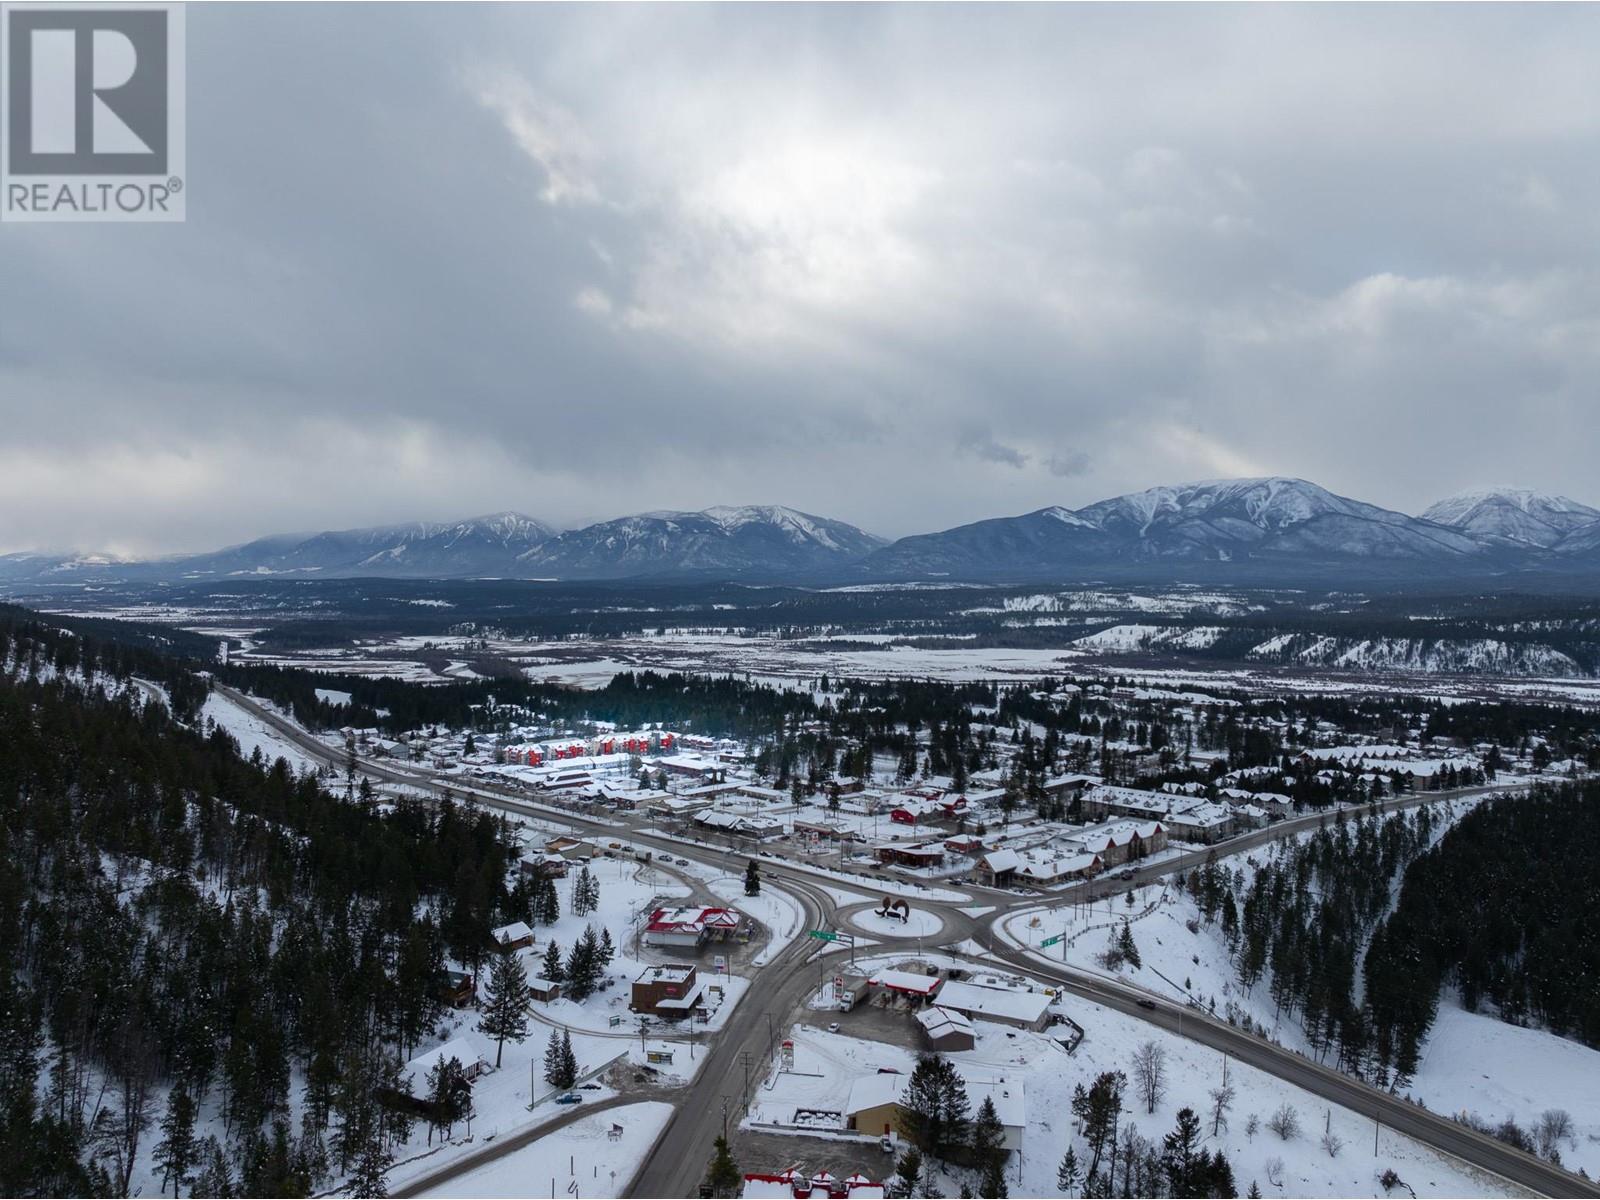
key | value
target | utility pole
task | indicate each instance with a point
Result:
(745, 1059)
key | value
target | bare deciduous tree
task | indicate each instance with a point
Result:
(1150, 1073)
(1221, 1102)
(1285, 1122)
(1555, 1127)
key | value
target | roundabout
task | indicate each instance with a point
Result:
(892, 919)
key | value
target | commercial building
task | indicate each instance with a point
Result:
(672, 990)
(946, 1029)
(689, 927)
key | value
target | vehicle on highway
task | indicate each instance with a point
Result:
(833, 1027)
(569, 1098)
(1143, 1003)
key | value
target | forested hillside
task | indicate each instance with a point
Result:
(184, 932)
(1506, 908)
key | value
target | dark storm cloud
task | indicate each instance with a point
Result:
(585, 261)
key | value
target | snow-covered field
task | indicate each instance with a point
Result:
(1477, 1063)
(582, 1159)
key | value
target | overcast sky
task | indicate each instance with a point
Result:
(903, 266)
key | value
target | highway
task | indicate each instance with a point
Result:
(779, 987)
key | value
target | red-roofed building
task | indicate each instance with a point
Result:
(689, 927)
(792, 1185)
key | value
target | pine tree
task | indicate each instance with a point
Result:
(583, 966)
(214, 1178)
(909, 1171)
(569, 1060)
(988, 1150)
(1068, 1174)
(177, 1151)
(555, 1063)
(752, 879)
(372, 1164)
(724, 1178)
(505, 1012)
(1182, 1158)
(585, 893)
(552, 968)
(546, 902)
(1125, 943)
(608, 948)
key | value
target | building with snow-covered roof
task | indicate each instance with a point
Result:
(671, 990)
(946, 1029)
(1118, 842)
(739, 824)
(474, 1062)
(1204, 823)
(690, 926)
(874, 1107)
(514, 936)
(908, 983)
(909, 812)
(998, 867)
(1016, 1007)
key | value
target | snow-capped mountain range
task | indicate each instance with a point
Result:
(1271, 528)
(1514, 516)
(756, 538)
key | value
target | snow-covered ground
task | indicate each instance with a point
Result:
(826, 1063)
(919, 922)
(1471, 1062)
(1477, 1063)
(582, 1159)
(254, 734)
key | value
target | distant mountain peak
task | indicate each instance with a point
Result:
(730, 539)
(1514, 515)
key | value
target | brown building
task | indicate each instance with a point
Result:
(671, 990)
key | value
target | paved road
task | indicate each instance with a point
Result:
(678, 1161)
(424, 1185)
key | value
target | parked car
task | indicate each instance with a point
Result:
(833, 1027)
(569, 1098)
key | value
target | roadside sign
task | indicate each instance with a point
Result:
(1051, 941)
(719, 964)
(829, 935)
(615, 1021)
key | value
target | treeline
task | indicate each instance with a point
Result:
(34, 647)
(1505, 909)
(1301, 921)
(183, 932)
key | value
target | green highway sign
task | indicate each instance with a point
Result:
(824, 935)
(1051, 941)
